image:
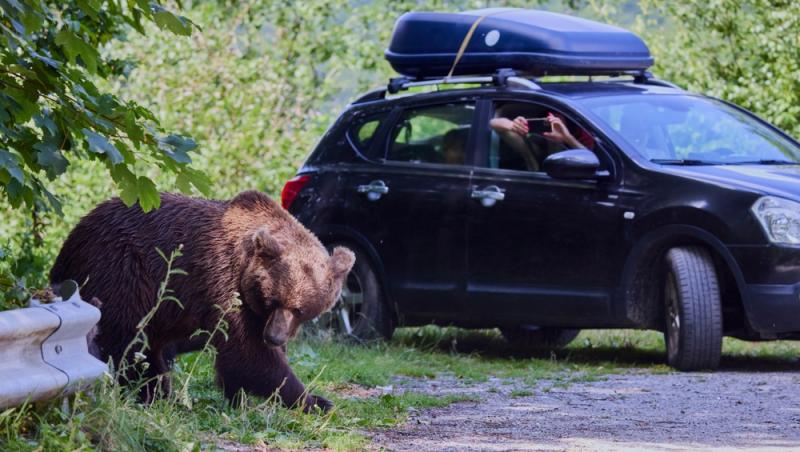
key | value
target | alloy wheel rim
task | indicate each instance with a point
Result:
(343, 316)
(673, 314)
(349, 305)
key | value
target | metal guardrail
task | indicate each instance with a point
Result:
(44, 351)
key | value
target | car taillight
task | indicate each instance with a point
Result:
(292, 188)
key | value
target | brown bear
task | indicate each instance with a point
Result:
(248, 247)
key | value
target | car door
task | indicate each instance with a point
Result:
(541, 249)
(416, 201)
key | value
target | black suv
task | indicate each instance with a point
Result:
(681, 214)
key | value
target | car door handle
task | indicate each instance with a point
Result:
(489, 195)
(374, 189)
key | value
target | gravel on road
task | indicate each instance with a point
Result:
(635, 410)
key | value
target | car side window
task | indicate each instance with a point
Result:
(363, 130)
(433, 134)
(524, 134)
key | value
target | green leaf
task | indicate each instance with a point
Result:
(32, 20)
(75, 47)
(15, 191)
(89, 8)
(200, 181)
(16, 5)
(10, 163)
(132, 129)
(184, 183)
(127, 155)
(23, 103)
(149, 198)
(176, 24)
(45, 123)
(176, 147)
(126, 181)
(128, 193)
(55, 204)
(100, 145)
(49, 158)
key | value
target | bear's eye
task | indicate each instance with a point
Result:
(298, 312)
(272, 302)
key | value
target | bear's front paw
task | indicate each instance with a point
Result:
(315, 402)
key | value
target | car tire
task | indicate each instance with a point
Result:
(525, 337)
(362, 312)
(692, 308)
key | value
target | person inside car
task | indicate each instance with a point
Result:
(515, 134)
(453, 144)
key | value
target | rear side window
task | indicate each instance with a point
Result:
(363, 131)
(350, 139)
(435, 134)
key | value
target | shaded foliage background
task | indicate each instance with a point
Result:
(258, 83)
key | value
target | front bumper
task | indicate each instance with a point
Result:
(773, 308)
(770, 286)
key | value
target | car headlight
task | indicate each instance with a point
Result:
(780, 219)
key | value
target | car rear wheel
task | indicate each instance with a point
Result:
(531, 337)
(361, 311)
(693, 315)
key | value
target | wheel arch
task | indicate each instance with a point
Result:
(641, 287)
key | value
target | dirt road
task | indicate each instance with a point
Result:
(634, 410)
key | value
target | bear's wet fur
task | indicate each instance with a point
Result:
(248, 246)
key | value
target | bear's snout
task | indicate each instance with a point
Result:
(278, 328)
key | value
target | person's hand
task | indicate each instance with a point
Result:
(519, 125)
(558, 131)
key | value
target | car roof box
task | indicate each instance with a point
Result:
(425, 44)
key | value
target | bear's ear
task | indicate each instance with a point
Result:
(265, 244)
(342, 261)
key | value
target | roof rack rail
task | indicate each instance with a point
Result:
(503, 77)
(646, 78)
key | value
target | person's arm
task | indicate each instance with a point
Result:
(513, 133)
(560, 132)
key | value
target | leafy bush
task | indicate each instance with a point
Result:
(51, 110)
(54, 119)
(743, 51)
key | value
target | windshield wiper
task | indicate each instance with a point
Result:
(766, 162)
(683, 162)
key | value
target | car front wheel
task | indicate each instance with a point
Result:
(693, 315)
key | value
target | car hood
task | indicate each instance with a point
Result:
(777, 180)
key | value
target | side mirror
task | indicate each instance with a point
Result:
(572, 164)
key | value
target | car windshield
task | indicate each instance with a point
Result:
(686, 130)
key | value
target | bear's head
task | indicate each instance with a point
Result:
(287, 284)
